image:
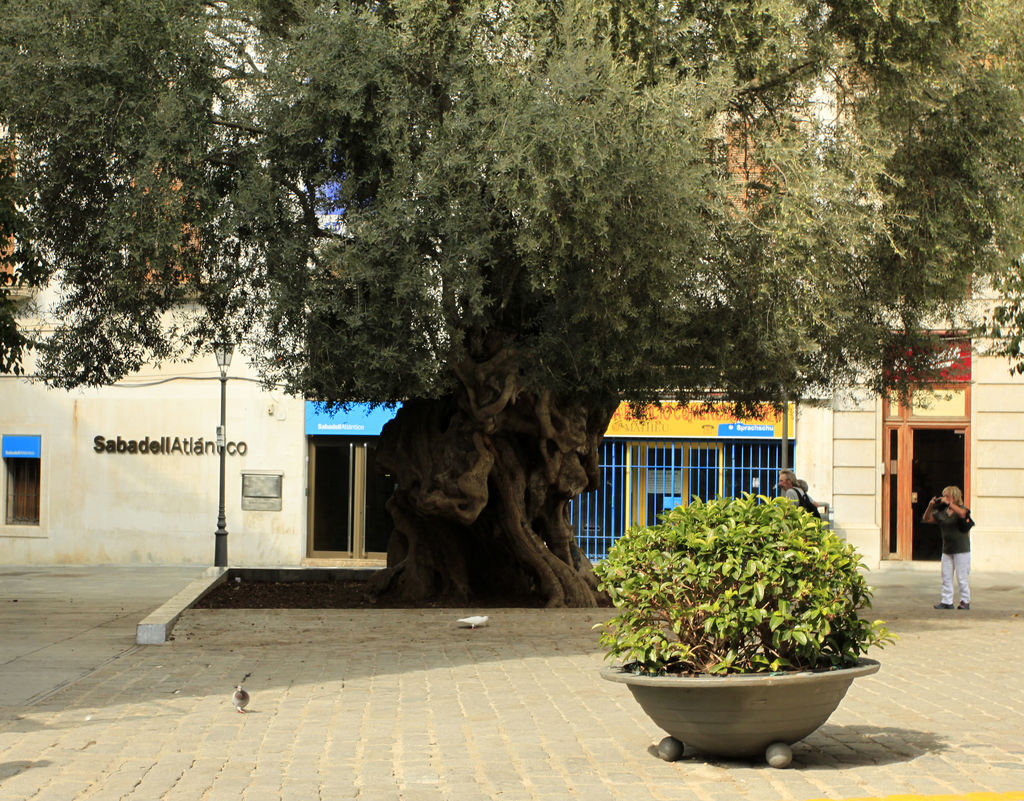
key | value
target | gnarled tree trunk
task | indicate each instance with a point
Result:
(484, 480)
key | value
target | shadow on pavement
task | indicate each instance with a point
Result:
(10, 769)
(836, 746)
(852, 746)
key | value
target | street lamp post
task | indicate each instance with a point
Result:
(222, 353)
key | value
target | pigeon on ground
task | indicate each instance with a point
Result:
(474, 621)
(240, 698)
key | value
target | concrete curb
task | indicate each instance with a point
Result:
(157, 626)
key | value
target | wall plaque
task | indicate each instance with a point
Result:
(261, 491)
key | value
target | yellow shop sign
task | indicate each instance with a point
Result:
(690, 420)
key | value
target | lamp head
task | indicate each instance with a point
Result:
(222, 353)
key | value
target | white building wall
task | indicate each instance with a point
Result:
(814, 451)
(125, 508)
(856, 431)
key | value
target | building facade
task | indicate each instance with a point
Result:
(129, 474)
(880, 463)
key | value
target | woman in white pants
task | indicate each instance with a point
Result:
(948, 512)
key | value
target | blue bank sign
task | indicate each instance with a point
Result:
(22, 447)
(356, 420)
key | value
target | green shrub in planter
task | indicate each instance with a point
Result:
(743, 585)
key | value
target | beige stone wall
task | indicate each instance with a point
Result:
(852, 425)
(997, 467)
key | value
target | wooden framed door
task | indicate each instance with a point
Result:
(925, 448)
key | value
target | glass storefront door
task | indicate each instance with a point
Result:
(347, 497)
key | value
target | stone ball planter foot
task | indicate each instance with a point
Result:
(741, 715)
(670, 749)
(778, 755)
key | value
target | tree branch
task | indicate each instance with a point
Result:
(758, 85)
(237, 126)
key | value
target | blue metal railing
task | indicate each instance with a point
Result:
(641, 479)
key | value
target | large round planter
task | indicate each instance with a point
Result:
(741, 715)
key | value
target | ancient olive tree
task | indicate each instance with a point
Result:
(508, 218)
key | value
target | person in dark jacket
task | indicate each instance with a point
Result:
(796, 490)
(947, 512)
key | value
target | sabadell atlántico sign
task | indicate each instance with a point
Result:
(166, 446)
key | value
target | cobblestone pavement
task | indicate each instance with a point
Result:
(403, 704)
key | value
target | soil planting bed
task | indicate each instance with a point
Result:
(243, 594)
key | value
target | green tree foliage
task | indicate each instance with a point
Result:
(1004, 35)
(19, 270)
(509, 217)
(1005, 324)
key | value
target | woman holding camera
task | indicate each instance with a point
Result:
(949, 513)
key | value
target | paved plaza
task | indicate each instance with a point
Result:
(384, 705)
